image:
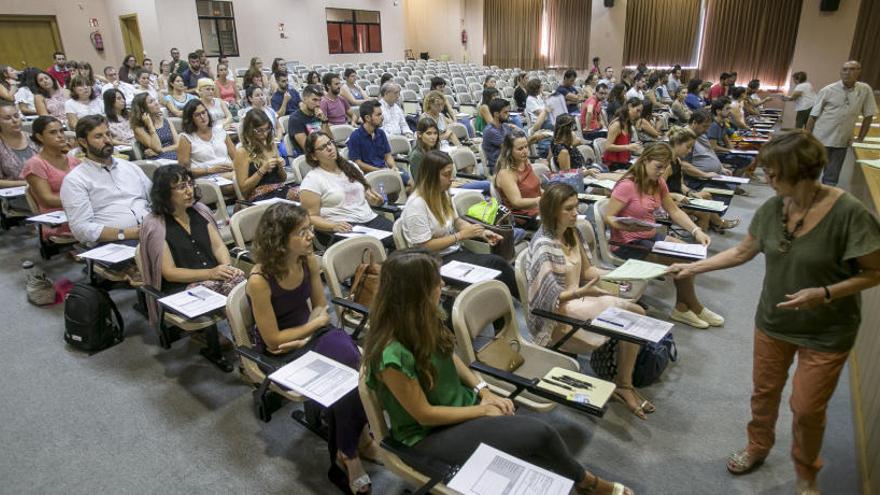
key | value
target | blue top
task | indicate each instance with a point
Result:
(492, 139)
(191, 79)
(369, 149)
(694, 102)
(564, 91)
(292, 103)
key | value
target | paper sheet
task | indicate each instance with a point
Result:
(491, 472)
(590, 197)
(872, 139)
(272, 201)
(194, 302)
(707, 204)
(51, 218)
(110, 253)
(743, 152)
(360, 230)
(696, 251)
(455, 190)
(730, 178)
(627, 322)
(317, 377)
(13, 192)
(870, 163)
(635, 269)
(636, 221)
(604, 183)
(165, 161)
(867, 146)
(467, 273)
(216, 179)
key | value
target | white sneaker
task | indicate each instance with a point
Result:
(711, 317)
(688, 318)
(804, 487)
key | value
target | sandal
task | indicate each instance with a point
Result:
(614, 487)
(361, 485)
(743, 463)
(725, 225)
(647, 405)
(639, 410)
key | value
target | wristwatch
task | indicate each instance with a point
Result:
(480, 386)
(121, 235)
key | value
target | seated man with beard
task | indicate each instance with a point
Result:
(105, 198)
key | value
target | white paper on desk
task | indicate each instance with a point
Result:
(867, 146)
(695, 251)
(870, 163)
(872, 139)
(216, 179)
(317, 377)
(491, 472)
(743, 152)
(194, 302)
(165, 161)
(467, 273)
(51, 218)
(360, 230)
(707, 204)
(603, 183)
(635, 269)
(730, 178)
(455, 190)
(272, 201)
(110, 253)
(13, 192)
(627, 322)
(590, 197)
(636, 221)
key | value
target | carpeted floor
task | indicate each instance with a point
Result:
(139, 419)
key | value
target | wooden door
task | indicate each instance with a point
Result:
(29, 41)
(131, 36)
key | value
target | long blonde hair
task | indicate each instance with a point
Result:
(429, 188)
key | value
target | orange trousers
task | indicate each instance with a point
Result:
(815, 378)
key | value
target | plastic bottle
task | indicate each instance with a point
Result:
(382, 193)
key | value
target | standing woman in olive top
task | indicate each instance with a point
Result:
(49, 97)
(152, 130)
(259, 169)
(45, 171)
(282, 286)
(821, 249)
(434, 403)
(516, 182)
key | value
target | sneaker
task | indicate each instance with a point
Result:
(804, 487)
(688, 318)
(711, 317)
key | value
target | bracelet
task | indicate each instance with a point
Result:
(827, 294)
(694, 232)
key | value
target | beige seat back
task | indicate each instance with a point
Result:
(399, 145)
(241, 320)
(295, 169)
(390, 180)
(400, 241)
(464, 200)
(301, 167)
(341, 260)
(603, 232)
(341, 132)
(244, 224)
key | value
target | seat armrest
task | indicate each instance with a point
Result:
(470, 176)
(266, 363)
(357, 308)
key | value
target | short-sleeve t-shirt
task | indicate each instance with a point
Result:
(300, 123)
(718, 133)
(335, 110)
(637, 205)
(342, 200)
(448, 390)
(420, 225)
(823, 256)
(565, 91)
(369, 149)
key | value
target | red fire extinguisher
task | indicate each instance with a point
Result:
(97, 41)
(464, 37)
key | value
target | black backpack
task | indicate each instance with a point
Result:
(91, 320)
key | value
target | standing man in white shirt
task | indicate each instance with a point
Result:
(834, 115)
(395, 120)
(105, 198)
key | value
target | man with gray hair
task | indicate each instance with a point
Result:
(395, 119)
(834, 115)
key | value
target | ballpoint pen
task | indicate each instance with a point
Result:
(621, 325)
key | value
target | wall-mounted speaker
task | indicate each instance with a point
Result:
(609, 3)
(825, 5)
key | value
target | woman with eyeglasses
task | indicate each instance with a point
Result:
(203, 148)
(821, 249)
(336, 194)
(259, 169)
(255, 96)
(290, 314)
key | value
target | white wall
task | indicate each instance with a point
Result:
(73, 24)
(607, 26)
(824, 40)
(435, 27)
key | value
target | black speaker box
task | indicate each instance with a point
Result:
(824, 6)
(609, 3)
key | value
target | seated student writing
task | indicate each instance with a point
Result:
(516, 182)
(561, 278)
(430, 221)
(336, 194)
(434, 403)
(259, 169)
(152, 130)
(639, 194)
(290, 312)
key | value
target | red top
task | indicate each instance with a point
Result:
(226, 93)
(595, 119)
(62, 76)
(610, 157)
(529, 187)
(717, 91)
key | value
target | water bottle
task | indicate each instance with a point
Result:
(382, 193)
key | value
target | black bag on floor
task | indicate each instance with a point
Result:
(91, 320)
(651, 361)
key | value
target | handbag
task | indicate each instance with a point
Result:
(485, 211)
(365, 283)
(505, 246)
(501, 354)
(651, 361)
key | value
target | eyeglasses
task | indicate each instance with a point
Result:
(261, 130)
(326, 146)
(306, 232)
(182, 186)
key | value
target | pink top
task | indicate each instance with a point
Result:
(226, 93)
(55, 106)
(38, 166)
(636, 205)
(335, 110)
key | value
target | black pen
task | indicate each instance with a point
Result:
(611, 322)
(556, 384)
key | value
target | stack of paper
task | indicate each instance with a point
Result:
(636, 221)
(635, 269)
(731, 178)
(634, 324)
(194, 302)
(695, 251)
(217, 179)
(871, 163)
(491, 472)
(51, 218)
(867, 146)
(467, 273)
(707, 204)
(110, 253)
(13, 192)
(317, 377)
(359, 230)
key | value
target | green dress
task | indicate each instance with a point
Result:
(823, 256)
(448, 390)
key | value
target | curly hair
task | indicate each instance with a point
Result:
(188, 125)
(270, 247)
(164, 179)
(138, 110)
(351, 171)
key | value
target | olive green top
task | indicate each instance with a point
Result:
(416, 155)
(823, 256)
(448, 390)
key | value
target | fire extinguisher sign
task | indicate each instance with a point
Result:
(93, 22)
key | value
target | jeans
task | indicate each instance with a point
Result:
(836, 157)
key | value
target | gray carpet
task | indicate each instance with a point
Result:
(139, 419)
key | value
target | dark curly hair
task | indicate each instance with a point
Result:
(166, 177)
(270, 246)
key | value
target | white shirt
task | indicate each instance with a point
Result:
(204, 154)
(94, 197)
(534, 105)
(420, 225)
(24, 95)
(635, 93)
(150, 91)
(341, 199)
(836, 110)
(807, 98)
(127, 90)
(394, 120)
(80, 110)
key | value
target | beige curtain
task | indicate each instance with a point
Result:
(512, 33)
(755, 38)
(661, 32)
(568, 33)
(866, 42)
